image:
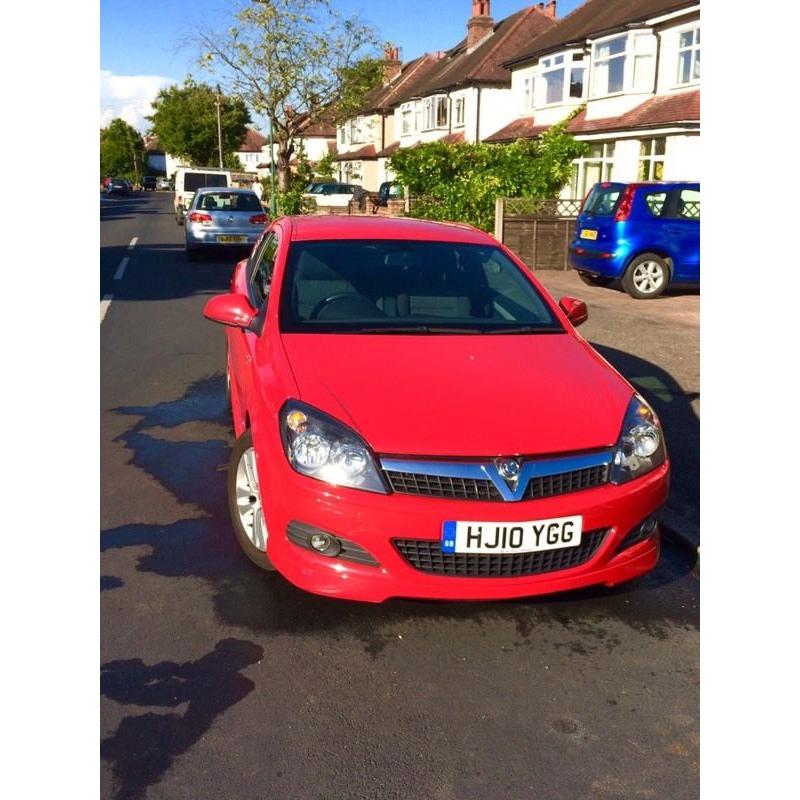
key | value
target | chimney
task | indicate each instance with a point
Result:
(392, 64)
(480, 23)
(550, 9)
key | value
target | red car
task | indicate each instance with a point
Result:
(416, 417)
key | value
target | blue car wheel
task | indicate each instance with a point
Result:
(646, 276)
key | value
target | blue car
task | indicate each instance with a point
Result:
(645, 235)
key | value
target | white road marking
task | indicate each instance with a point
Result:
(133, 243)
(104, 304)
(121, 269)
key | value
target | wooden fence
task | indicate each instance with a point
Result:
(538, 231)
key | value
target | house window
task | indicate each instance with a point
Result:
(458, 112)
(526, 94)
(576, 82)
(343, 135)
(609, 66)
(406, 117)
(435, 112)
(651, 159)
(689, 56)
(355, 131)
(644, 61)
(417, 116)
(554, 84)
(594, 167)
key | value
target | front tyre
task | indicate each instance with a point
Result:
(244, 502)
(646, 277)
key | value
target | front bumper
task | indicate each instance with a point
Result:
(371, 521)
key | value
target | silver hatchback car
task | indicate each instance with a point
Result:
(223, 218)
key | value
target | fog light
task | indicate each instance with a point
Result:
(649, 526)
(325, 544)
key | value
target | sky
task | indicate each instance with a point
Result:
(141, 47)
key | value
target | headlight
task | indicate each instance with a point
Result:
(323, 448)
(640, 447)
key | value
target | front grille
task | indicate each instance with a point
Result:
(427, 556)
(484, 489)
(438, 486)
(565, 482)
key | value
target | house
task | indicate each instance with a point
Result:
(159, 162)
(631, 70)
(317, 136)
(469, 93)
(250, 152)
(364, 143)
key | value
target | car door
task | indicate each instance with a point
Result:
(242, 343)
(682, 228)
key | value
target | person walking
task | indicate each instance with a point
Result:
(258, 189)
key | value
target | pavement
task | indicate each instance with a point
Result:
(655, 344)
(220, 681)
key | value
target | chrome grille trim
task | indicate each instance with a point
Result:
(485, 480)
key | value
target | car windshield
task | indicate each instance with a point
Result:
(228, 201)
(383, 286)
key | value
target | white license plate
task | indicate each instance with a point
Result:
(231, 239)
(511, 537)
(588, 233)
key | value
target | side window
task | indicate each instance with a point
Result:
(264, 263)
(688, 204)
(655, 202)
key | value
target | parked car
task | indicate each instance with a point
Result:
(164, 183)
(189, 179)
(149, 183)
(118, 186)
(388, 190)
(338, 194)
(415, 417)
(646, 235)
(315, 185)
(223, 219)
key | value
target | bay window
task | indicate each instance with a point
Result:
(689, 56)
(651, 159)
(608, 66)
(644, 61)
(592, 168)
(435, 112)
(560, 79)
(458, 112)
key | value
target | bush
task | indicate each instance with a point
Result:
(460, 182)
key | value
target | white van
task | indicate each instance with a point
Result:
(189, 179)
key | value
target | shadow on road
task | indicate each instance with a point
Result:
(144, 746)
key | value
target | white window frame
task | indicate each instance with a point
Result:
(356, 131)
(459, 108)
(565, 61)
(626, 55)
(605, 160)
(693, 49)
(646, 52)
(430, 112)
(651, 159)
(407, 116)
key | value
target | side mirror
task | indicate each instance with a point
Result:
(233, 310)
(575, 309)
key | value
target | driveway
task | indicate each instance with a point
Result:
(655, 344)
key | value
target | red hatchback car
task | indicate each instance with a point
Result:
(416, 417)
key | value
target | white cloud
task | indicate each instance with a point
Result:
(129, 97)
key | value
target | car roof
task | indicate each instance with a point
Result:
(334, 226)
(228, 189)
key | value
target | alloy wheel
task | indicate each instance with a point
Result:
(248, 500)
(648, 277)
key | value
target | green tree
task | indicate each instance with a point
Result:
(185, 120)
(460, 182)
(290, 60)
(357, 80)
(324, 167)
(121, 151)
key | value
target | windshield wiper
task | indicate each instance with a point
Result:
(420, 329)
(525, 329)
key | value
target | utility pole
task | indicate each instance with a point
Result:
(219, 126)
(273, 208)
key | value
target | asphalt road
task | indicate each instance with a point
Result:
(219, 681)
